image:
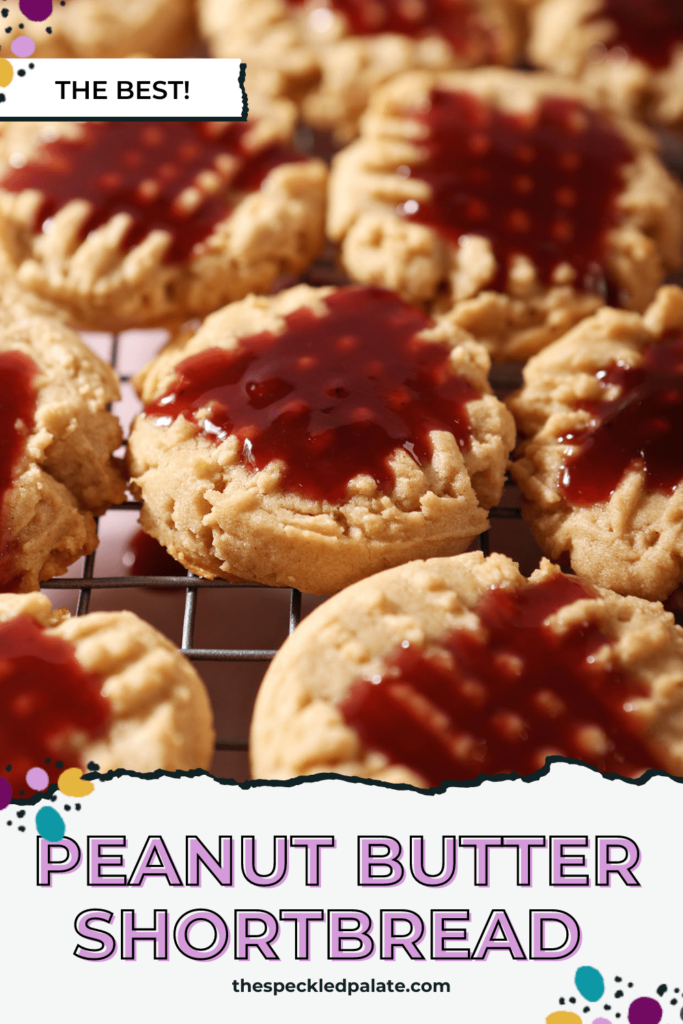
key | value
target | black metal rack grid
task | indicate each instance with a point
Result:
(504, 379)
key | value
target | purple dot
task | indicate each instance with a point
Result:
(23, 46)
(36, 10)
(601, 1020)
(644, 1011)
(5, 794)
(37, 778)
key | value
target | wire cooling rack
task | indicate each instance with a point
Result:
(227, 689)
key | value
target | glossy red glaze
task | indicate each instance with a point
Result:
(647, 29)
(46, 699)
(542, 185)
(643, 425)
(458, 21)
(330, 396)
(17, 412)
(141, 168)
(501, 699)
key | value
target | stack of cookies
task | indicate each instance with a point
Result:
(338, 432)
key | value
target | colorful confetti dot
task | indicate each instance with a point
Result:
(590, 983)
(23, 46)
(644, 1011)
(50, 825)
(38, 779)
(601, 1020)
(71, 783)
(36, 10)
(6, 72)
(5, 794)
(563, 1017)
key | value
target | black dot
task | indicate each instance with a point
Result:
(49, 31)
(67, 807)
(586, 1009)
(617, 979)
(571, 999)
(21, 73)
(31, 66)
(21, 814)
(21, 791)
(78, 807)
(8, 767)
(5, 12)
(9, 822)
(59, 764)
(673, 1002)
(630, 984)
(53, 798)
(8, 29)
(21, 26)
(561, 1001)
(661, 990)
(22, 828)
(92, 767)
(2, 100)
(47, 760)
(618, 1015)
(607, 1006)
(676, 990)
(618, 994)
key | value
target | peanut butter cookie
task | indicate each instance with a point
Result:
(509, 196)
(135, 223)
(56, 443)
(459, 667)
(103, 687)
(312, 438)
(601, 465)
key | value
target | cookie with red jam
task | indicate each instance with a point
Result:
(601, 463)
(57, 438)
(315, 437)
(103, 687)
(628, 53)
(509, 196)
(330, 57)
(139, 223)
(454, 668)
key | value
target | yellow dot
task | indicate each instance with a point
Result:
(70, 783)
(6, 72)
(563, 1017)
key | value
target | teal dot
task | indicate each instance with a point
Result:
(590, 983)
(50, 825)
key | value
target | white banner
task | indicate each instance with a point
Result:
(501, 903)
(99, 90)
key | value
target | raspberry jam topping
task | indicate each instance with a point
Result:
(17, 412)
(503, 698)
(647, 29)
(178, 177)
(542, 184)
(331, 396)
(47, 700)
(644, 424)
(458, 21)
